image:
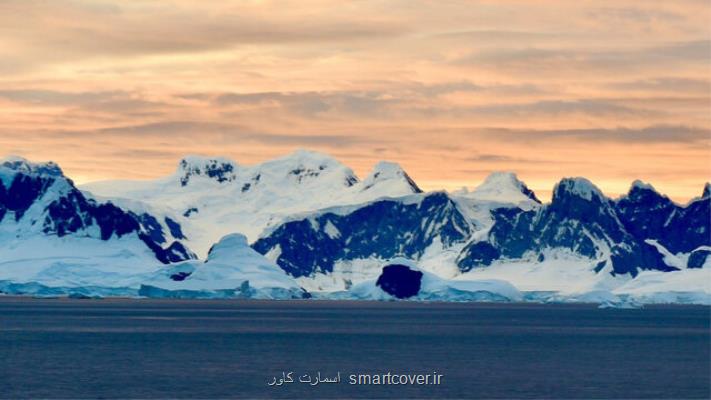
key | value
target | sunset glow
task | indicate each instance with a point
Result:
(450, 90)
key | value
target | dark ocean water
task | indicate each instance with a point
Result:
(61, 348)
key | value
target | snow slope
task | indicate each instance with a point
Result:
(90, 267)
(70, 262)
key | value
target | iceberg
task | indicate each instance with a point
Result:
(232, 270)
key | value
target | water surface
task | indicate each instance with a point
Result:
(122, 348)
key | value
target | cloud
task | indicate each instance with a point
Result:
(420, 101)
(310, 104)
(666, 84)
(132, 153)
(501, 159)
(57, 98)
(650, 134)
(499, 35)
(645, 19)
(70, 29)
(570, 59)
(627, 14)
(211, 132)
(307, 140)
(113, 87)
(556, 107)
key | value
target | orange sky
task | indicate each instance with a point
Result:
(452, 90)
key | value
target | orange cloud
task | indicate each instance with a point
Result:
(452, 90)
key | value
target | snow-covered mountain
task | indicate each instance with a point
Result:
(212, 197)
(497, 227)
(435, 228)
(40, 208)
(503, 188)
(56, 239)
(52, 234)
(316, 229)
(579, 219)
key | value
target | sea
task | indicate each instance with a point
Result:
(222, 349)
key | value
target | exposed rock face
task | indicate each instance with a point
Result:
(217, 169)
(478, 254)
(41, 200)
(400, 281)
(698, 258)
(647, 214)
(383, 229)
(581, 219)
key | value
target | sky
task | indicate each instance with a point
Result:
(452, 90)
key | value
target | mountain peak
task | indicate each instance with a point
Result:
(220, 169)
(504, 187)
(638, 184)
(393, 174)
(387, 167)
(641, 192)
(707, 190)
(309, 167)
(577, 187)
(20, 164)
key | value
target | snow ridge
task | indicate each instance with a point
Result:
(20, 164)
(578, 187)
(504, 187)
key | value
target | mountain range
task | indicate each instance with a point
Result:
(305, 225)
